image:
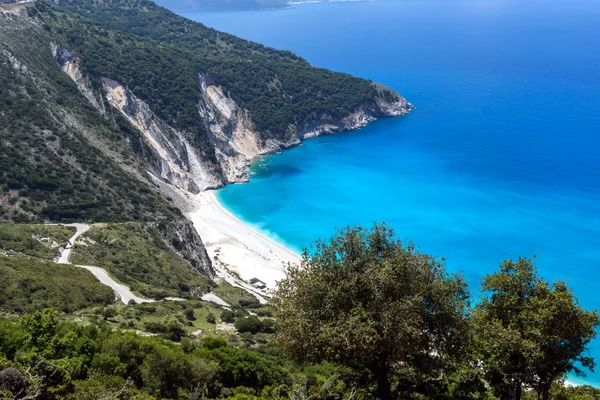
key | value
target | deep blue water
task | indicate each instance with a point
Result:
(501, 158)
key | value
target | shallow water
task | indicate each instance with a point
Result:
(501, 158)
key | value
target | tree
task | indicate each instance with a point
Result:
(40, 328)
(211, 319)
(530, 333)
(368, 301)
(227, 316)
(189, 315)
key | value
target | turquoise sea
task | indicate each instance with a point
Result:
(500, 159)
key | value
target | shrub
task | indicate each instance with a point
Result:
(249, 324)
(227, 316)
(211, 319)
(189, 315)
(12, 380)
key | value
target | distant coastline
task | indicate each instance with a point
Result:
(329, 1)
(258, 5)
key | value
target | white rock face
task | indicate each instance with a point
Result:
(70, 65)
(237, 142)
(174, 159)
(231, 132)
(169, 155)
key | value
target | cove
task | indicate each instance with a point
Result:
(500, 159)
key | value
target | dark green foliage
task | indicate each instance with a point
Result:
(211, 319)
(227, 316)
(160, 55)
(254, 325)
(239, 367)
(370, 302)
(28, 284)
(530, 333)
(172, 331)
(189, 315)
(59, 159)
(249, 303)
(34, 240)
(65, 360)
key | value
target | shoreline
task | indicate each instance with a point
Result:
(235, 245)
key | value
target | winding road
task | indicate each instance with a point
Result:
(122, 291)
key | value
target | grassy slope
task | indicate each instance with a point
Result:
(40, 241)
(27, 284)
(135, 254)
(235, 296)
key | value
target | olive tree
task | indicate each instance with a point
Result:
(368, 301)
(530, 333)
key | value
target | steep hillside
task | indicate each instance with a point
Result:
(60, 159)
(206, 102)
(66, 155)
(150, 91)
(109, 109)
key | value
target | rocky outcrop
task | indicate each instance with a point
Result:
(172, 157)
(231, 132)
(183, 238)
(69, 64)
(237, 142)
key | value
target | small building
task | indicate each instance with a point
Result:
(257, 283)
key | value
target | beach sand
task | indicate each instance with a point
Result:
(237, 246)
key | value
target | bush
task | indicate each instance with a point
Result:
(249, 324)
(249, 303)
(211, 319)
(189, 315)
(264, 312)
(227, 316)
(12, 380)
(212, 343)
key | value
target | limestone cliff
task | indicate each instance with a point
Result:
(173, 158)
(231, 131)
(70, 65)
(237, 142)
(182, 237)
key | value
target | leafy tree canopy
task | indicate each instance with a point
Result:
(366, 300)
(531, 333)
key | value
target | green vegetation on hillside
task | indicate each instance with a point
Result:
(59, 159)
(160, 55)
(66, 360)
(40, 241)
(28, 285)
(364, 316)
(235, 295)
(137, 255)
